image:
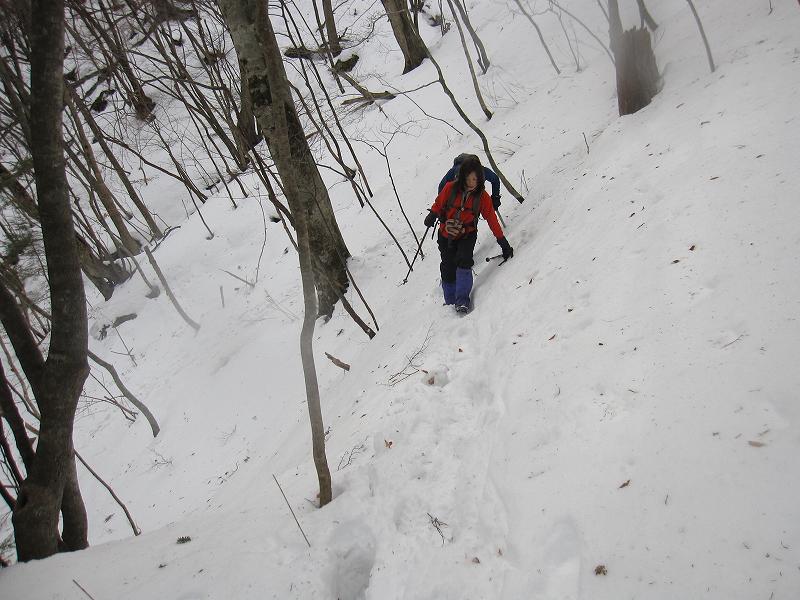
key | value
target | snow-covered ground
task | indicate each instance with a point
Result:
(624, 393)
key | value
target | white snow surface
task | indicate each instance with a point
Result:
(624, 393)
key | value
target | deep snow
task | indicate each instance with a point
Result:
(644, 333)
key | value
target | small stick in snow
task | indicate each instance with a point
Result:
(290, 510)
(337, 362)
(437, 524)
(83, 590)
(585, 141)
(252, 285)
(222, 296)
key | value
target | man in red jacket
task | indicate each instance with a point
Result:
(458, 208)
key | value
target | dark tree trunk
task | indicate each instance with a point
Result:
(330, 28)
(638, 79)
(246, 122)
(56, 382)
(410, 42)
(274, 108)
(308, 200)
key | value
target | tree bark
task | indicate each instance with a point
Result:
(57, 381)
(330, 28)
(483, 59)
(274, 108)
(254, 38)
(637, 73)
(411, 44)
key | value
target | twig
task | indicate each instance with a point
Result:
(136, 530)
(171, 296)
(732, 342)
(252, 285)
(222, 296)
(411, 368)
(290, 510)
(437, 524)
(585, 141)
(337, 362)
(83, 590)
(127, 393)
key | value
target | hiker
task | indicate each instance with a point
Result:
(488, 174)
(458, 208)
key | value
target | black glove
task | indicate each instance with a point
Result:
(430, 220)
(508, 251)
(496, 201)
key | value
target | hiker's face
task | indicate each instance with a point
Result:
(472, 181)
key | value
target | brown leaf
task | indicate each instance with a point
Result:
(755, 444)
(552, 337)
(692, 247)
(677, 260)
(715, 177)
(460, 350)
(476, 560)
(626, 484)
(388, 443)
(600, 570)
(431, 380)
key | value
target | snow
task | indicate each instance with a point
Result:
(643, 334)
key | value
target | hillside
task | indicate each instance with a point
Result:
(622, 394)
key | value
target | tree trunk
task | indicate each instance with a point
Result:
(483, 59)
(155, 230)
(105, 277)
(246, 122)
(253, 36)
(103, 192)
(56, 382)
(330, 29)
(274, 108)
(637, 73)
(411, 44)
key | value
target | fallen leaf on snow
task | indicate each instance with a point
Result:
(552, 337)
(476, 560)
(388, 443)
(755, 444)
(677, 260)
(600, 570)
(626, 484)
(692, 247)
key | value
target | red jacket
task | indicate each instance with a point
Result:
(469, 220)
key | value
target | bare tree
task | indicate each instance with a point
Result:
(541, 36)
(475, 85)
(51, 483)
(703, 35)
(637, 73)
(411, 44)
(483, 59)
(330, 28)
(305, 192)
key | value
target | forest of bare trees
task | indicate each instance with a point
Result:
(90, 90)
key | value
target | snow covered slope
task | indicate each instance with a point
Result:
(623, 395)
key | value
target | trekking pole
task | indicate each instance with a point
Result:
(499, 216)
(419, 249)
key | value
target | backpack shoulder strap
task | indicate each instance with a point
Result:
(476, 205)
(451, 201)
